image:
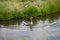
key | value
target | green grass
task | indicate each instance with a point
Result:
(19, 0)
(30, 11)
(9, 10)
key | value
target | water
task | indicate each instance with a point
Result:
(45, 28)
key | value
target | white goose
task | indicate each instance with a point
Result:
(28, 23)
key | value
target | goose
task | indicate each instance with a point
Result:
(28, 23)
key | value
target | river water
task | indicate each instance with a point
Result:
(44, 28)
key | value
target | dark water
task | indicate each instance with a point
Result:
(45, 28)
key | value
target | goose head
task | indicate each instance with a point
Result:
(31, 18)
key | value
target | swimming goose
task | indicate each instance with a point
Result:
(28, 23)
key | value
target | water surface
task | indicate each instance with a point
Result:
(45, 28)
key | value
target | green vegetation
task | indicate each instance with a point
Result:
(30, 11)
(19, 0)
(26, 8)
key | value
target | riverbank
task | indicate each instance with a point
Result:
(11, 9)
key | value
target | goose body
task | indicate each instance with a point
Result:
(28, 23)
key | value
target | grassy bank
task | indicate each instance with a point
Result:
(26, 9)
